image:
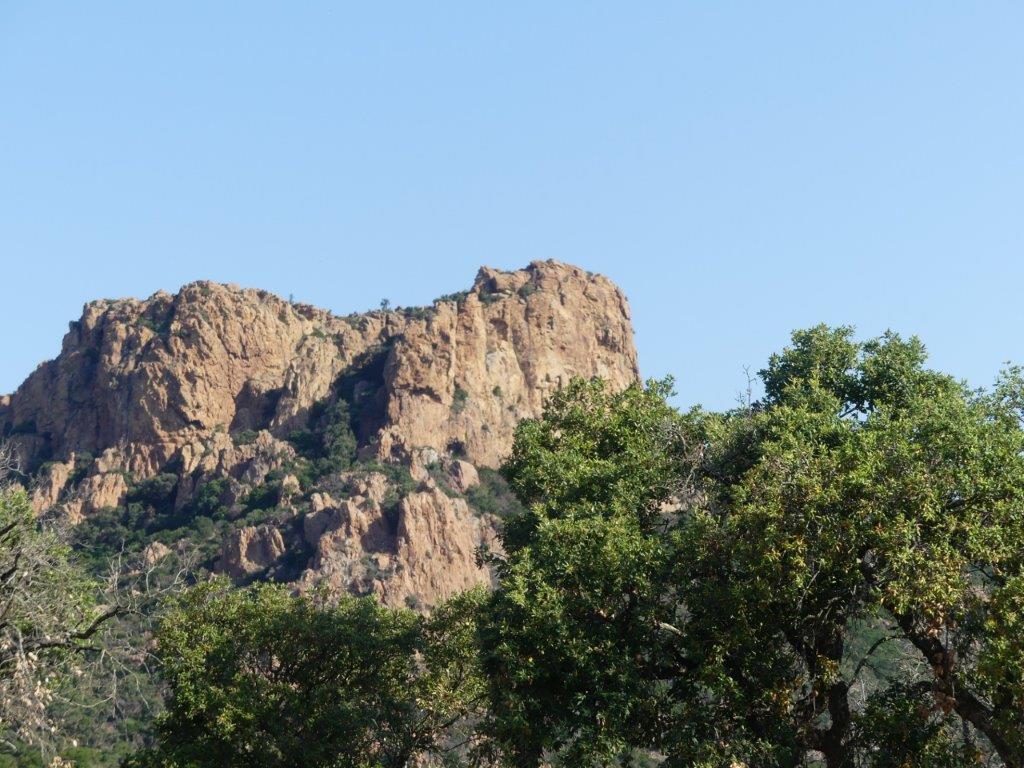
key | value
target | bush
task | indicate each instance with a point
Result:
(208, 502)
(306, 443)
(264, 496)
(338, 439)
(528, 290)
(329, 446)
(83, 462)
(459, 298)
(459, 399)
(245, 437)
(148, 515)
(157, 492)
(419, 313)
(493, 496)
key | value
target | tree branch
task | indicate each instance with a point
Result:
(967, 705)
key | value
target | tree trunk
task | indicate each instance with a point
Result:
(833, 741)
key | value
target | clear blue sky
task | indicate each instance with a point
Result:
(741, 169)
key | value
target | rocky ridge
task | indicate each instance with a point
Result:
(323, 450)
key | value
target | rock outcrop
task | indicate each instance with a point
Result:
(216, 388)
(250, 550)
(422, 551)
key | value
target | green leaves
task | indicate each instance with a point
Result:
(595, 453)
(49, 618)
(821, 357)
(838, 566)
(1001, 658)
(260, 677)
(834, 573)
(574, 633)
(865, 485)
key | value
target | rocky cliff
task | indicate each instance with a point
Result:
(319, 449)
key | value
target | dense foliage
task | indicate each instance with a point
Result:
(830, 575)
(57, 633)
(259, 677)
(575, 633)
(866, 491)
(46, 611)
(839, 579)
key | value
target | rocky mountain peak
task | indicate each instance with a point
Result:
(238, 390)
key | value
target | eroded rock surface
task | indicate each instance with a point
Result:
(250, 550)
(216, 393)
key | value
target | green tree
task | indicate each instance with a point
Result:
(863, 493)
(260, 677)
(831, 573)
(331, 444)
(578, 630)
(52, 622)
(338, 439)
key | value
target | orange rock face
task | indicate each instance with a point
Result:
(173, 384)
